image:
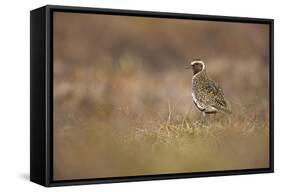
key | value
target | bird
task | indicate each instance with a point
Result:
(207, 95)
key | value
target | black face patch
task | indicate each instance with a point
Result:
(197, 67)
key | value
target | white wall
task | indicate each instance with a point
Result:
(14, 94)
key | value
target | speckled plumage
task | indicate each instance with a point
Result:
(206, 94)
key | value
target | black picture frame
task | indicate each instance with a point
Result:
(41, 94)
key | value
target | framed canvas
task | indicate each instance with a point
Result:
(123, 95)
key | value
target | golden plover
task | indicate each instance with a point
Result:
(206, 94)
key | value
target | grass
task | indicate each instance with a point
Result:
(174, 126)
(181, 144)
(142, 145)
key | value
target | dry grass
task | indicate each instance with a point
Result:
(162, 145)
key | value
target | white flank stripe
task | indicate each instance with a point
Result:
(196, 101)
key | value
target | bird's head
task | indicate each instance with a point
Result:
(196, 65)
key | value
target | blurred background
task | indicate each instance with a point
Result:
(122, 96)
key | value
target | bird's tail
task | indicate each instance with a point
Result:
(227, 108)
(227, 111)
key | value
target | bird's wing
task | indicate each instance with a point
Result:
(215, 94)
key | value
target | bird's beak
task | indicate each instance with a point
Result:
(188, 66)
